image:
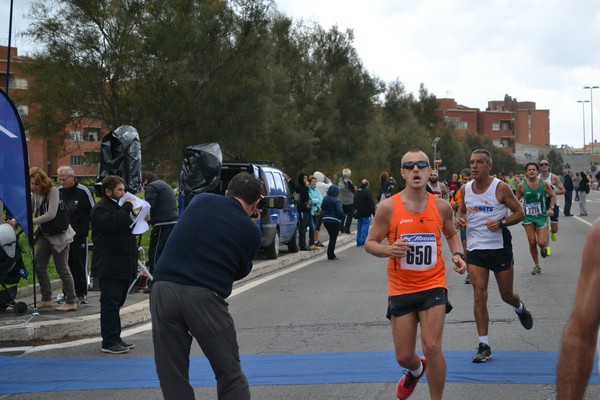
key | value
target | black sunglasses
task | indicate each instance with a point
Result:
(542, 164)
(419, 164)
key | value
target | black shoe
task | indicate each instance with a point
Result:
(333, 259)
(115, 349)
(484, 353)
(525, 318)
(319, 244)
(82, 299)
(304, 249)
(127, 345)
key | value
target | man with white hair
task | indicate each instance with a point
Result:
(347, 190)
(79, 202)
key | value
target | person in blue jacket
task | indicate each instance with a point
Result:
(333, 214)
(211, 246)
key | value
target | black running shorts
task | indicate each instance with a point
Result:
(407, 303)
(494, 260)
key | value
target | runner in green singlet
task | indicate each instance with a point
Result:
(512, 181)
(533, 191)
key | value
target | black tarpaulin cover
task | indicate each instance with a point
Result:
(121, 154)
(201, 170)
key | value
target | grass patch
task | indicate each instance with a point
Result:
(24, 245)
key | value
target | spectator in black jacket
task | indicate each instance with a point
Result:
(305, 221)
(569, 187)
(79, 202)
(365, 208)
(113, 259)
(584, 189)
(212, 245)
(163, 215)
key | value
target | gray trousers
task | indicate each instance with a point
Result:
(43, 252)
(181, 313)
(582, 203)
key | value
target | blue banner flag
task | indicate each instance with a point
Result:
(15, 192)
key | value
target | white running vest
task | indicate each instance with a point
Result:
(549, 180)
(480, 209)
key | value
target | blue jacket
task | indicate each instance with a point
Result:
(332, 206)
(568, 183)
(211, 246)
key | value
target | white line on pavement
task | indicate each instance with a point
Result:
(148, 325)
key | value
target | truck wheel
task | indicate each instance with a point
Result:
(293, 243)
(272, 250)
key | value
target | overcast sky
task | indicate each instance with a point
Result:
(471, 50)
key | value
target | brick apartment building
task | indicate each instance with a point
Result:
(78, 145)
(517, 126)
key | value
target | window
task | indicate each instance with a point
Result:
(269, 182)
(495, 126)
(505, 126)
(77, 160)
(91, 134)
(457, 124)
(17, 83)
(92, 157)
(76, 136)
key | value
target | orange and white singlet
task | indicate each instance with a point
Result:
(423, 267)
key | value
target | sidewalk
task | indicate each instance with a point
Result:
(55, 326)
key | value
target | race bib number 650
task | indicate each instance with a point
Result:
(423, 252)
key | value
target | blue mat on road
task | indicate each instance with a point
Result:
(29, 375)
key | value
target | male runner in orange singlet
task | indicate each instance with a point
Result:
(412, 221)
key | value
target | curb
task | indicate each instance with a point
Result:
(68, 328)
(65, 328)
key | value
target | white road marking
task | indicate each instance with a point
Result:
(148, 325)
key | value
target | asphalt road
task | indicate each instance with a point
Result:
(322, 310)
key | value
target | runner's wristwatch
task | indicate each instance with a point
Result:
(461, 255)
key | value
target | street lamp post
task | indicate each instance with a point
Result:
(592, 114)
(434, 145)
(583, 109)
